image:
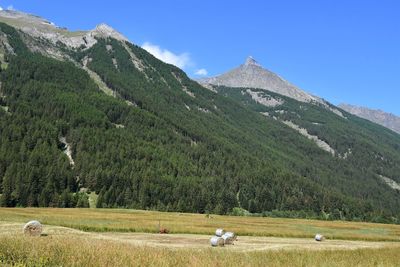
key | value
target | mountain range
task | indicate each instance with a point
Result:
(385, 119)
(88, 114)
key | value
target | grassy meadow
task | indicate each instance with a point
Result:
(124, 220)
(78, 249)
(67, 251)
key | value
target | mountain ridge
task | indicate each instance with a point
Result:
(40, 27)
(388, 120)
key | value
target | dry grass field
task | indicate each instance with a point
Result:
(93, 237)
(81, 251)
(124, 220)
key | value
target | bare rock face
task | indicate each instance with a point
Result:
(387, 120)
(320, 143)
(252, 75)
(103, 30)
(267, 101)
(391, 183)
(39, 27)
(33, 228)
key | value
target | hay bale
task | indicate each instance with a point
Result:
(217, 241)
(219, 232)
(228, 240)
(319, 237)
(33, 228)
(231, 235)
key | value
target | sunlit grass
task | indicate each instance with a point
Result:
(62, 248)
(78, 251)
(122, 220)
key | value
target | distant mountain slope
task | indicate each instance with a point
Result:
(252, 75)
(110, 118)
(385, 119)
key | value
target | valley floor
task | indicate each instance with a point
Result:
(193, 241)
(73, 247)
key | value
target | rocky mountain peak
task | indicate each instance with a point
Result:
(250, 61)
(104, 27)
(104, 30)
(252, 75)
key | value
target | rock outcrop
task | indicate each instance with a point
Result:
(40, 27)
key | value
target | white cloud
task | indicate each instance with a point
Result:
(201, 72)
(1, 8)
(181, 60)
(10, 7)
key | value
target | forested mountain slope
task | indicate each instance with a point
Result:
(143, 135)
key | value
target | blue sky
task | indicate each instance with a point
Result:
(343, 51)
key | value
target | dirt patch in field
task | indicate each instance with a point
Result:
(245, 243)
(190, 241)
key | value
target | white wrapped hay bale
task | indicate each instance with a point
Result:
(319, 237)
(228, 240)
(231, 235)
(33, 228)
(219, 232)
(217, 241)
